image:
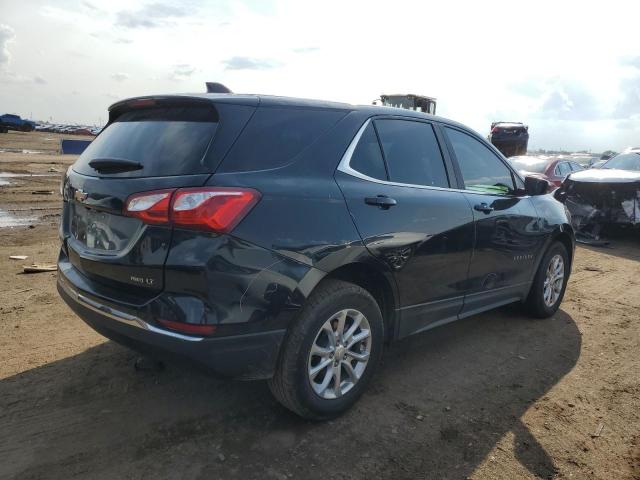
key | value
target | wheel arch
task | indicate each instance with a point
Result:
(378, 282)
(566, 236)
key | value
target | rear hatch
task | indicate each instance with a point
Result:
(508, 130)
(149, 144)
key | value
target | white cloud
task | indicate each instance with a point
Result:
(6, 35)
(120, 76)
(249, 63)
(152, 15)
(182, 72)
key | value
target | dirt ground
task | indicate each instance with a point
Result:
(496, 396)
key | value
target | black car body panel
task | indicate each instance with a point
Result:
(433, 257)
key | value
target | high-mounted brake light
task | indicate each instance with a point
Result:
(208, 208)
(142, 102)
(150, 207)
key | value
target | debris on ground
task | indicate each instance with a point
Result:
(598, 431)
(593, 269)
(18, 257)
(42, 192)
(40, 267)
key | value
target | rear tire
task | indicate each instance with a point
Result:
(550, 283)
(317, 351)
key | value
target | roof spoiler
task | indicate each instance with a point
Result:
(215, 87)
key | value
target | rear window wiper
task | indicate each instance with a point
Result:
(114, 165)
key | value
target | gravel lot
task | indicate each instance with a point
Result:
(495, 396)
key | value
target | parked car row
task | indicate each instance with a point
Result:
(68, 129)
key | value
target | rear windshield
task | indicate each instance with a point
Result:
(275, 136)
(165, 140)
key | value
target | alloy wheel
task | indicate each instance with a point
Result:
(553, 281)
(339, 354)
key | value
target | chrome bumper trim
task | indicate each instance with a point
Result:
(118, 315)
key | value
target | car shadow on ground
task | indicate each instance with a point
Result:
(439, 404)
(622, 242)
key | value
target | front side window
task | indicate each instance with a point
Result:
(412, 153)
(367, 157)
(482, 171)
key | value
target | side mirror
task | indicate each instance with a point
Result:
(535, 185)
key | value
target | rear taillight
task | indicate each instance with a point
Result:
(219, 209)
(208, 208)
(150, 207)
(495, 130)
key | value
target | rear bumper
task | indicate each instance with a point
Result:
(249, 356)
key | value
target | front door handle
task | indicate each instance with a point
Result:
(483, 207)
(381, 201)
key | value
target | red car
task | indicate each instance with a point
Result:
(553, 169)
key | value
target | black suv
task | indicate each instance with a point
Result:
(287, 239)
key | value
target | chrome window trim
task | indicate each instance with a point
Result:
(345, 167)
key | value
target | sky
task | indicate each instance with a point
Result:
(570, 70)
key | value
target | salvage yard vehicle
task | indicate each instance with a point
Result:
(9, 121)
(606, 196)
(409, 101)
(286, 239)
(511, 138)
(552, 169)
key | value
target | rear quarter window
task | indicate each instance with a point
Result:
(275, 136)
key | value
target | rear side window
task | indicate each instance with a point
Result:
(412, 153)
(165, 140)
(482, 170)
(563, 169)
(274, 136)
(367, 157)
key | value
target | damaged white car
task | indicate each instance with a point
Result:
(609, 195)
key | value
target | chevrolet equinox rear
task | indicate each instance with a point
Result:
(286, 239)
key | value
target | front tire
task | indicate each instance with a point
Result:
(330, 353)
(549, 283)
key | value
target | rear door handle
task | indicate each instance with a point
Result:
(483, 207)
(381, 201)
